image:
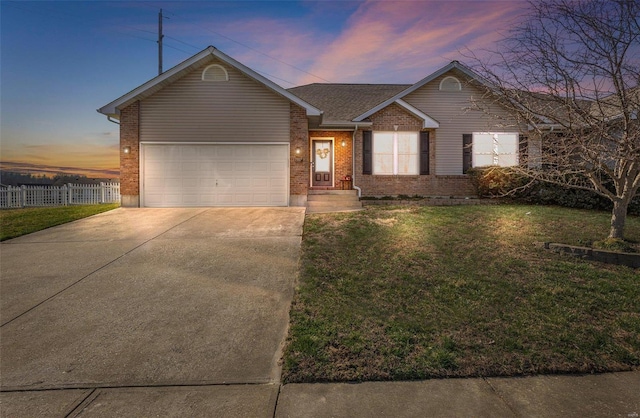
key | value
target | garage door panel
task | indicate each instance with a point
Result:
(207, 183)
(215, 175)
(260, 182)
(224, 152)
(243, 183)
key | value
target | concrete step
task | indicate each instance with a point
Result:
(322, 201)
(332, 192)
(332, 210)
(323, 204)
(333, 197)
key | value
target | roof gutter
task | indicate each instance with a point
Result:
(330, 124)
(353, 160)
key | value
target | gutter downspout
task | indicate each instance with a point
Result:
(353, 159)
(112, 121)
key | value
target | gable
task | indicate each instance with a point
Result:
(170, 76)
(453, 109)
(230, 107)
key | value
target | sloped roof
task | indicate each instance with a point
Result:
(411, 88)
(343, 102)
(611, 107)
(155, 84)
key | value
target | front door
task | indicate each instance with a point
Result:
(322, 167)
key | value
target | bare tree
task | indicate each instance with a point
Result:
(569, 74)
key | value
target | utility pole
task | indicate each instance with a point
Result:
(160, 36)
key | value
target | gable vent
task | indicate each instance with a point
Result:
(215, 72)
(450, 84)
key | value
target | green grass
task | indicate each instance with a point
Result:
(17, 222)
(419, 292)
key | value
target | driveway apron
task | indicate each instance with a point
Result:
(149, 297)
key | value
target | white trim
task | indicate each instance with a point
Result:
(496, 147)
(333, 129)
(112, 109)
(333, 159)
(453, 64)
(327, 125)
(208, 67)
(395, 153)
(428, 121)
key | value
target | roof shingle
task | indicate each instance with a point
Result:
(343, 102)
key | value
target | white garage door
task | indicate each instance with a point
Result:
(175, 175)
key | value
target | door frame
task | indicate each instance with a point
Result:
(333, 159)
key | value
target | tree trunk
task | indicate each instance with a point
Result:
(618, 218)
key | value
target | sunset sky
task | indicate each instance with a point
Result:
(60, 61)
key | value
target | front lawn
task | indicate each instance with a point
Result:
(17, 222)
(397, 293)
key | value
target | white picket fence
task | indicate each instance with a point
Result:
(69, 194)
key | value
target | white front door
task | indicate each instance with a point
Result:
(322, 163)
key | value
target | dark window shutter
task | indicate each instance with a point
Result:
(523, 147)
(424, 153)
(367, 152)
(467, 144)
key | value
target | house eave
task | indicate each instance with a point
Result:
(343, 124)
(428, 121)
(112, 109)
(545, 127)
(452, 65)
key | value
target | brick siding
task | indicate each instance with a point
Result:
(130, 163)
(426, 185)
(299, 137)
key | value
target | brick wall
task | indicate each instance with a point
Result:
(130, 163)
(299, 171)
(429, 185)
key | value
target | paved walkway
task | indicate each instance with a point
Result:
(183, 312)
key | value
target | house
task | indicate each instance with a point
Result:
(213, 132)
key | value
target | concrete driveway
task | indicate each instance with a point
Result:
(163, 307)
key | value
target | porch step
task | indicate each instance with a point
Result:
(333, 197)
(332, 192)
(319, 201)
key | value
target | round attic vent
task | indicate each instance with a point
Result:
(450, 84)
(215, 72)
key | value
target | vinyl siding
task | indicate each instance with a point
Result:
(192, 110)
(452, 111)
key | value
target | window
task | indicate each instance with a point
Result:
(494, 148)
(215, 72)
(395, 153)
(450, 84)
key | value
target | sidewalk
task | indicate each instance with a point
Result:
(604, 395)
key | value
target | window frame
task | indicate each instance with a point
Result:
(396, 154)
(497, 150)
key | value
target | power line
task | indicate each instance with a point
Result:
(184, 43)
(255, 50)
(48, 12)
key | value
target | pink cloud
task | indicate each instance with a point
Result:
(288, 41)
(413, 38)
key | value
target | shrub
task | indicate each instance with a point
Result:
(495, 181)
(503, 181)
